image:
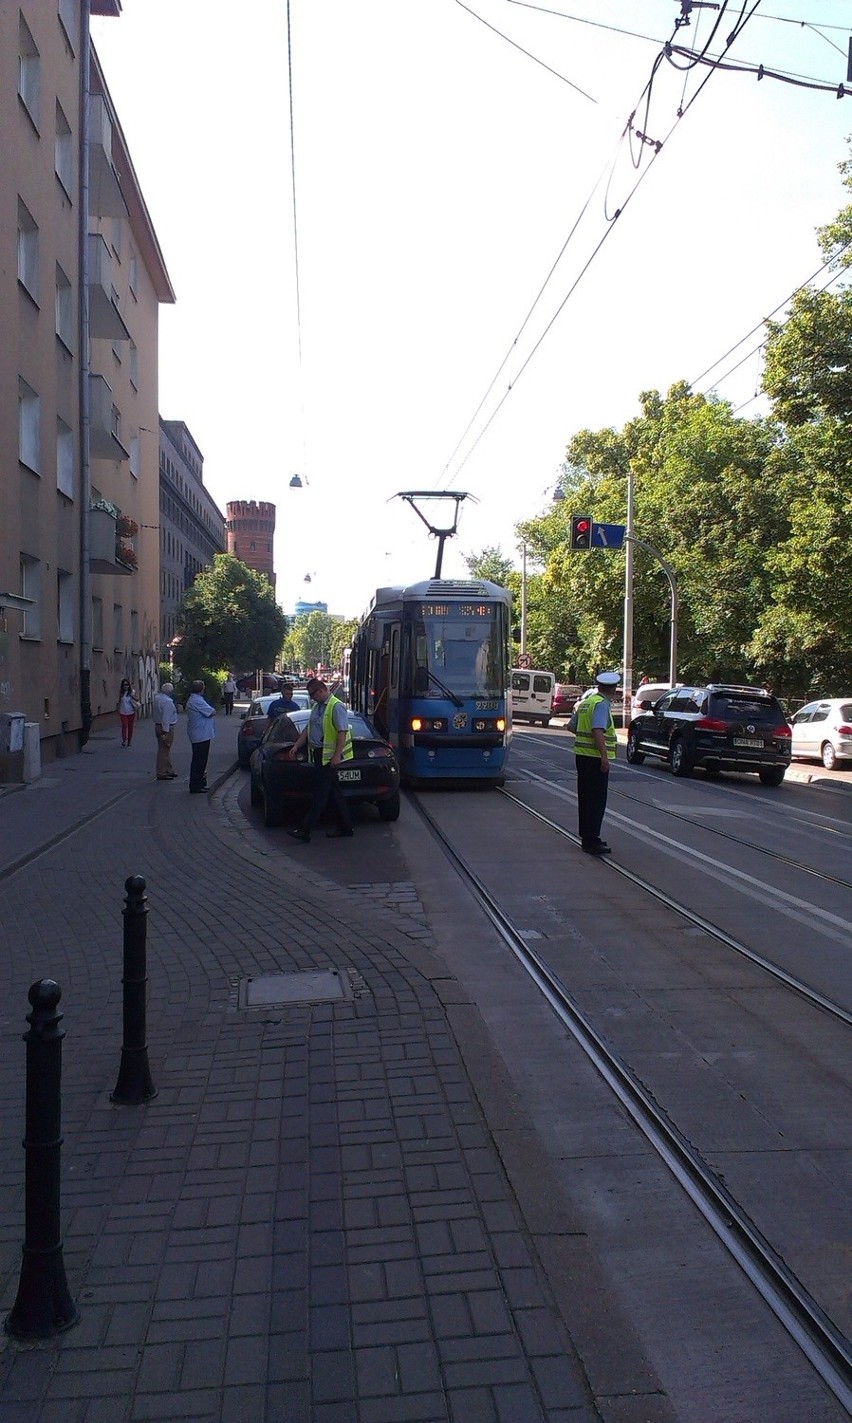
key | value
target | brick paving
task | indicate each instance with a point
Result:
(310, 1221)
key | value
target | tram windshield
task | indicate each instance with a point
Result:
(458, 651)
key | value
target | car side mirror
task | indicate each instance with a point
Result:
(243, 715)
(646, 706)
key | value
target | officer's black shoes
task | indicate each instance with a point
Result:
(298, 833)
(600, 848)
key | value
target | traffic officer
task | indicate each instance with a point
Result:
(594, 748)
(330, 742)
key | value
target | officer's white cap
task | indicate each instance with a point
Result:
(608, 679)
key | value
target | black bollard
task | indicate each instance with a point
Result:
(134, 1083)
(43, 1305)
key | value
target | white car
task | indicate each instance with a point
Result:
(823, 731)
(648, 693)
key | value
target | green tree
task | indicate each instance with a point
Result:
(491, 564)
(318, 638)
(229, 619)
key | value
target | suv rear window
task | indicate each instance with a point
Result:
(730, 707)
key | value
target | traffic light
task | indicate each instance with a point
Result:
(581, 531)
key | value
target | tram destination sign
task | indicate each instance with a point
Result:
(458, 610)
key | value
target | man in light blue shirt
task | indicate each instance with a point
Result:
(201, 730)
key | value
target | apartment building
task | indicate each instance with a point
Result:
(192, 527)
(79, 446)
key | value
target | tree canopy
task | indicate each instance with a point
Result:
(230, 619)
(753, 514)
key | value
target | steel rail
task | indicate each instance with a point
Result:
(822, 1343)
(816, 999)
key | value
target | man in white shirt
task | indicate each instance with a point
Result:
(165, 718)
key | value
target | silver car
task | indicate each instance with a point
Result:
(823, 731)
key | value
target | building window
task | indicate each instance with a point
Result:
(134, 456)
(27, 251)
(64, 309)
(29, 71)
(134, 366)
(29, 426)
(98, 624)
(116, 237)
(118, 627)
(134, 632)
(133, 275)
(65, 606)
(64, 155)
(68, 14)
(64, 458)
(31, 588)
(115, 423)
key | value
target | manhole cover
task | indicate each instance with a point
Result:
(314, 986)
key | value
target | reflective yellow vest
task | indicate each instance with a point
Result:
(584, 741)
(329, 732)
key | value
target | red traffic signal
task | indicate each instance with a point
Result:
(581, 531)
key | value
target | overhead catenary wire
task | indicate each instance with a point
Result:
(744, 16)
(533, 57)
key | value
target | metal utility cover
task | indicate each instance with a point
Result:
(313, 986)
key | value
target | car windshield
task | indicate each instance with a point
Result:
(846, 711)
(286, 728)
(458, 653)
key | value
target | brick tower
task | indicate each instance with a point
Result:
(250, 529)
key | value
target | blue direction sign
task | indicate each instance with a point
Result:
(608, 535)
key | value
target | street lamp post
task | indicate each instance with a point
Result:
(523, 599)
(629, 540)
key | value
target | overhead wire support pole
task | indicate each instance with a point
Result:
(672, 580)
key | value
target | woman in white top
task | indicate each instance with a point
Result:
(128, 706)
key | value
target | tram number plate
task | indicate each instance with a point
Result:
(349, 775)
(746, 741)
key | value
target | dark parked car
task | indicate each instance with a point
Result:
(254, 724)
(717, 727)
(247, 682)
(279, 783)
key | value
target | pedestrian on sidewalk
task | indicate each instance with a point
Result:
(165, 719)
(128, 706)
(330, 742)
(229, 691)
(594, 749)
(201, 730)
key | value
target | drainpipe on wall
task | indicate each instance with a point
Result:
(85, 394)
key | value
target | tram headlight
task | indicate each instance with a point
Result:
(416, 723)
(501, 723)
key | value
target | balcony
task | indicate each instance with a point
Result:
(105, 542)
(105, 321)
(104, 422)
(105, 196)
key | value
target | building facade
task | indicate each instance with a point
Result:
(251, 527)
(79, 310)
(192, 527)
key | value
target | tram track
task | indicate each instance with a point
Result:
(819, 1339)
(798, 865)
(817, 1000)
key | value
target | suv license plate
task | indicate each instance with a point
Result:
(745, 741)
(349, 775)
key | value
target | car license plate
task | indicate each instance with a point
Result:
(349, 775)
(746, 741)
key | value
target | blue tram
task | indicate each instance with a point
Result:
(430, 666)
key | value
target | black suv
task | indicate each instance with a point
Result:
(718, 727)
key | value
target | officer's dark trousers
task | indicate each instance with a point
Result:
(592, 784)
(327, 791)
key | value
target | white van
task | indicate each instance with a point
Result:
(531, 694)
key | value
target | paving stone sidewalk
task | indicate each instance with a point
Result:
(310, 1221)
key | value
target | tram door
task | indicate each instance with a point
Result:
(392, 732)
(384, 704)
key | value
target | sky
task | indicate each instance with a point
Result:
(445, 154)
